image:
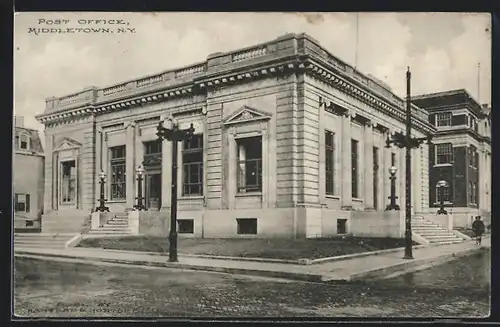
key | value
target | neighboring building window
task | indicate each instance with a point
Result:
(192, 166)
(473, 161)
(118, 173)
(375, 177)
(393, 159)
(24, 141)
(474, 193)
(21, 202)
(186, 226)
(443, 119)
(354, 163)
(329, 159)
(446, 197)
(68, 182)
(250, 164)
(444, 153)
(246, 225)
(152, 147)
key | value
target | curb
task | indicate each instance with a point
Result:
(239, 271)
(200, 256)
(392, 269)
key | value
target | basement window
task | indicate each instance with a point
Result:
(186, 226)
(341, 226)
(247, 226)
(29, 223)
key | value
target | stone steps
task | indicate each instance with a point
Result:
(432, 232)
(57, 241)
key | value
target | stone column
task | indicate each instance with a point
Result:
(129, 164)
(386, 185)
(265, 165)
(417, 175)
(346, 198)
(368, 166)
(98, 164)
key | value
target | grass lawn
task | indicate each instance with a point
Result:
(290, 249)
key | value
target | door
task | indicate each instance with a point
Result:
(153, 191)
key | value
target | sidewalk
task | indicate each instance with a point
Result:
(375, 266)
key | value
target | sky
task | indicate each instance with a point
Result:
(442, 49)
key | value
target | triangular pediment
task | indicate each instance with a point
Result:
(246, 114)
(67, 143)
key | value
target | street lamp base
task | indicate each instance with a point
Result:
(408, 257)
(392, 207)
(102, 209)
(442, 212)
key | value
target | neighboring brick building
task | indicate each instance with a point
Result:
(461, 154)
(28, 163)
(290, 141)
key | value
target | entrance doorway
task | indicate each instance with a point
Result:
(153, 191)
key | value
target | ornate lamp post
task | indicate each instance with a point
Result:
(392, 205)
(441, 185)
(173, 134)
(139, 206)
(406, 141)
(102, 201)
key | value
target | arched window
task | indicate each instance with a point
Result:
(24, 142)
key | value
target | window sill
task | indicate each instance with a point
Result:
(115, 201)
(191, 197)
(249, 194)
(331, 196)
(357, 200)
(443, 165)
(446, 203)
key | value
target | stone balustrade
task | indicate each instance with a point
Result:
(114, 89)
(149, 81)
(249, 54)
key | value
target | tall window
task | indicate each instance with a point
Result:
(474, 193)
(446, 197)
(21, 202)
(375, 177)
(24, 142)
(354, 163)
(444, 153)
(329, 165)
(192, 166)
(471, 193)
(68, 182)
(250, 164)
(443, 119)
(393, 159)
(118, 173)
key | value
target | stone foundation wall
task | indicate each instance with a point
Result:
(377, 224)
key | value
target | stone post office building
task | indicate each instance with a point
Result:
(289, 141)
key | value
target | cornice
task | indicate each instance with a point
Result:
(283, 66)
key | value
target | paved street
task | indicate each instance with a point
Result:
(459, 288)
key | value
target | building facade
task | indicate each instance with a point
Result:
(28, 175)
(460, 154)
(289, 140)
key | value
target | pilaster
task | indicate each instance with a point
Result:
(129, 164)
(368, 166)
(265, 165)
(322, 158)
(346, 198)
(98, 163)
